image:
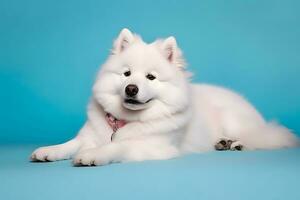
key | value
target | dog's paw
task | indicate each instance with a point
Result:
(48, 154)
(236, 146)
(227, 144)
(223, 144)
(85, 158)
(92, 157)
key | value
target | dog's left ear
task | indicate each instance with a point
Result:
(124, 39)
(172, 52)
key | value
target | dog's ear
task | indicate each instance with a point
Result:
(124, 39)
(172, 52)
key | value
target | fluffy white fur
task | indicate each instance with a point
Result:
(180, 118)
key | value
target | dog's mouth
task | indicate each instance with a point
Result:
(133, 104)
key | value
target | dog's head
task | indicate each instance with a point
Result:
(141, 81)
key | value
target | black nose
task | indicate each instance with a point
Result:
(131, 90)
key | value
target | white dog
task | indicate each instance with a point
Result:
(144, 107)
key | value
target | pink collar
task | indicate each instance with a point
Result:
(114, 123)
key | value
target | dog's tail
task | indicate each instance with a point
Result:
(271, 136)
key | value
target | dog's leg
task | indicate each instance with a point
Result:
(64, 151)
(56, 152)
(125, 151)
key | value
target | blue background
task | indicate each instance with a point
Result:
(51, 50)
(268, 175)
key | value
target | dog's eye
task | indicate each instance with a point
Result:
(127, 73)
(150, 77)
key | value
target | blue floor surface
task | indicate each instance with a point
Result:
(215, 175)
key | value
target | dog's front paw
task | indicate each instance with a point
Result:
(92, 157)
(50, 153)
(85, 158)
